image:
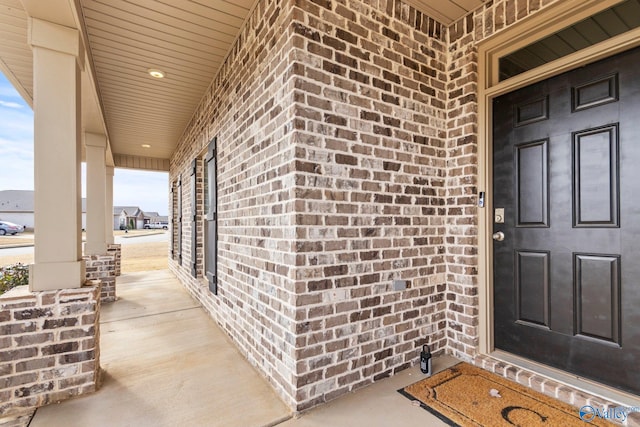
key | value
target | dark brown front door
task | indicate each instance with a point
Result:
(566, 170)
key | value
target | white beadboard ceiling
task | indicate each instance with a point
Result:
(186, 39)
(16, 59)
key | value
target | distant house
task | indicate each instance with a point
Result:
(133, 217)
(154, 218)
(150, 217)
(17, 206)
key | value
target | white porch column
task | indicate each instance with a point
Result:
(57, 62)
(109, 207)
(96, 148)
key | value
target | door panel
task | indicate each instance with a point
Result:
(595, 179)
(532, 287)
(597, 285)
(566, 277)
(532, 184)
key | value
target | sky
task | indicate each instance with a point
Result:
(148, 190)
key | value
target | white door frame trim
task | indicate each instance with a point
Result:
(554, 18)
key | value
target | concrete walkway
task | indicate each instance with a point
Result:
(166, 363)
(378, 405)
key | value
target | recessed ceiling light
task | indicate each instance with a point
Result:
(156, 73)
(146, 146)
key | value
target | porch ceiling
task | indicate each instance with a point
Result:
(186, 39)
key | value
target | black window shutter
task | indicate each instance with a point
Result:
(173, 220)
(194, 217)
(211, 223)
(180, 220)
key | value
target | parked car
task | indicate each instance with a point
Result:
(7, 227)
(158, 225)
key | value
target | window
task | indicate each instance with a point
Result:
(588, 32)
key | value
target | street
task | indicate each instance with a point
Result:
(125, 239)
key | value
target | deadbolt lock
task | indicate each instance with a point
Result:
(498, 216)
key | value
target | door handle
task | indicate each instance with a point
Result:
(498, 236)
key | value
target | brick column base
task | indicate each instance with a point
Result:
(116, 251)
(102, 267)
(49, 347)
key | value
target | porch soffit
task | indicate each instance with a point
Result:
(187, 39)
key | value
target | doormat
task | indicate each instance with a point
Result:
(464, 395)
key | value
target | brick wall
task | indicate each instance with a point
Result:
(49, 346)
(347, 137)
(331, 125)
(173, 219)
(249, 107)
(116, 251)
(461, 200)
(370, 185)
(462, 164)
(103, 268)
(199, 217)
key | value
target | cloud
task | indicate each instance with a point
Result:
(8, 91)
(16, 172)
(16, 118)
(10, 104)
(15, 150)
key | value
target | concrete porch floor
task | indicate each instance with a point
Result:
(166, 363)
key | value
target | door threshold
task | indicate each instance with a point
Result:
(583, 384)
